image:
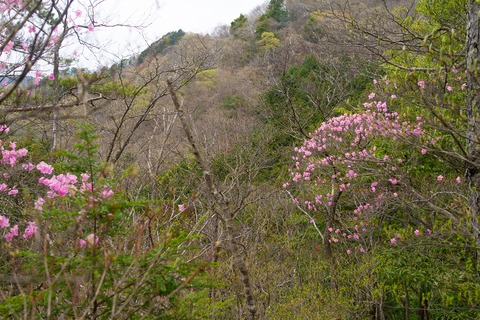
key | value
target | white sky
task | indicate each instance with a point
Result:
(159, 17)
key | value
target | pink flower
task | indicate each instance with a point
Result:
(28, 166)
(312, 221)
(91, 28)
(30, 231)
(458, 180)
(83, 243)
(393, 96)
(51, 77)
(91, 240)
(421, 84)
(181, 207)
(393, 240)
(362, 250)
(416, 232)
(371, 95)
(44, 168)
(32, 29)
(78, 13)
(393, 181)
(349, 251)
(39, 204)
(4, 222)
(375, 81)
(8, 47)
(449, 88)
(440, 178)
(12, 192)
(13, 233)
(85, 177)
(106, 194)
(464, 86)
(424, 151)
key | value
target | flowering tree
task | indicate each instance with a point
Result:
(32, 33)
(68, 245)
(377, 180)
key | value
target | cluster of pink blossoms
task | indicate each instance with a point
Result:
(341, 155)
(7, 5)
(61, 185)
(13, 231)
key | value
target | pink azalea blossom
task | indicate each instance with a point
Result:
(28, 166)
(30, 230)
(4, 222)
(371, 95)
(39, 204)
(106, 194)
(83, 243)
(393, 240)
(458, 180)
(8, 47)
(416, 232)
(51, 77)
(91, 28)
(362, 250)
(349, 251)
(421, 84)
(44, 168)
(449, 88)
(440, 178)
(424, 151)
(78, 13)
(13, 233)
(181, 207)
(91, 240)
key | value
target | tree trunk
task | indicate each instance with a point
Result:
(473, 105)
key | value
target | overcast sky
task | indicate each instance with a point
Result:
(160, 17)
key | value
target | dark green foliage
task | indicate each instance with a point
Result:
(238, 27)
(276, 11)
(158, 46)
(273, 19)
(313, 92)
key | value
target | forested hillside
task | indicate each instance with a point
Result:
(314, 159)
